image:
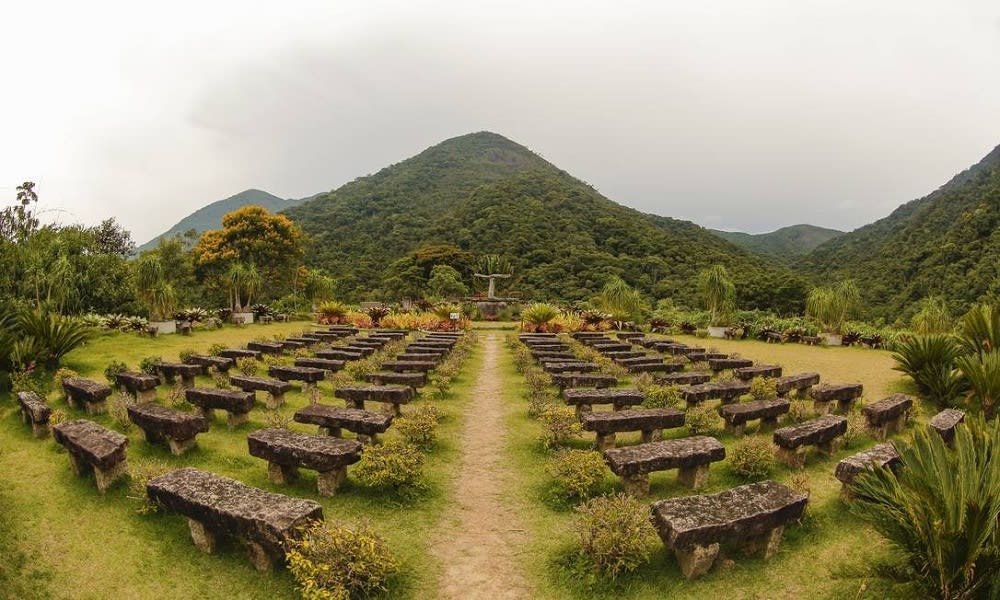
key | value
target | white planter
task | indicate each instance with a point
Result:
(832, 339)
(164, 326)
(245, 318)
(717, 332)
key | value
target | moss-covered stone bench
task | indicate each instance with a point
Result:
(338, 354)
(738, 414)
(170, 370)
(420, 357)
(570, 366)
(619, 398)
(307, 375)
(945, 422)
(881, 455)
(405, 366)
(216, 505)
(546, 345)
(91, 446)
(34, 412)
(748, 373)
(583, 380)
(272, 348)
(220, 363)
(889, 415)
(275, 388)
(844, 394)
(749, 517)
(374, 344)
(727, 391)
(393, 395)
(323, 336)
(87, 394)
(292, 345)
(414, 380)
(651, 366)
(237, 404)
(628, 354)
(303, 341)
(552, 356)
(140, 385)
(823, 432)
(649, 421)
(343, 330)
(287, 451)
(800, 382)
(327, 364)
(235, 353)
(331, 420)
(691, 456)
(603, 347)
(722, 364)
(161, 424)
(434, 343)
(683, 378)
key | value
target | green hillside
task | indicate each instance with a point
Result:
(483, 193)
(210, 217)
(784, 244)
(947, 243)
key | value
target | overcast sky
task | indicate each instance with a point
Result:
(736, 115)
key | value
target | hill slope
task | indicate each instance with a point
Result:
(946, 243)
(210, 217)
(783, 244)
(486, 194)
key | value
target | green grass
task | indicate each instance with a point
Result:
(61, 539)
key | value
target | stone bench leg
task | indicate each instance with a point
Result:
(394, 408)
(147, 395)
(583, 408)
(328, 481)
(821, 407)
(96, 408)
(844, 406)
(187, 381)
(78, 465)
(208, 413)
(697, 560)
(636, 485)
(605, 441)
(260, 557)
(105, 477)
(204, 538)
(368, 439)
(617, 406)
(330, 431)
(694, 477)
(274, 401)
(39, 430)
(735, 428)
(767, 425)
(793, 457)
(281, 474)
(358, 404)
(767, 543)
(234, 420)
(651, 435)
(829, 448)
(178, 447)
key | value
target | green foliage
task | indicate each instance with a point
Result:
(932, 316)
(982, 375)
(939, 512)
(702, 420)
(113, 369)
(419, 426)
(578, 474)
(332, 312)
(215, 349)
(391, 465)
(446, 282)
(220, 379)
(763, 388)
(153, 288)
(336, 562)
(150, 364)
(621, 301)
(661, 396)
(62, 375)
(39, 337)
(930, 361)
(185, 354)
(248, 365)
(559, 425)
(979, 330)
(832, 306)
(752, 458)
(718, 293)
(140, 472)
(782, 245)
(539, 315)
(29, 381)
(614, 533)
(118, 409)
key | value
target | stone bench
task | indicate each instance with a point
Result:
(435, 343)
(369, 343)
(584, 399)
(275, 388)
(408, 366)
(338, 354)
(220, 363)
(810, 340)
(584, 380)
(889, 415)
(550, 356)
(575, 366)
(86, 393)
(727, 391)
(945, 422)
(140, 385)
(393, 334)
(752, 517)
(292, 345)
(236, 404)
(823, 432)
(324, 336)
(722, 364)
(160, 424)
(649, 421)
(331, 420)
(414, 380)
(91, 446)
(307, 375)
(327, 364)
(748, 373)
(630, 335)
(696, 357)
(627, 354)
(186, 372)
(393, 395)
(655, 367)
(611, 347)
(800, 382)
(216, 505)
(272, 348)
(842, 393)
(343, 330)
(419, 356)
(738, 414)
(34, 412)
(690, 455)
(235, 353)
(683, 378)
(287, 451)
(882, 455)
(306, 342)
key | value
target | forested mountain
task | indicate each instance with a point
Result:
(210, 217)
(784, 244)
(946, 243)
(482, 193)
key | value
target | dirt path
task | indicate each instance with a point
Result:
(478, 542)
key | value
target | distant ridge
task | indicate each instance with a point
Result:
(784, 244)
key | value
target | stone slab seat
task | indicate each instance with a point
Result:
(187, 372)
(216, 505)
(393, 395)
(34, 412)
(573, 366)
(338, 354)
(160, 424)
(690, 455)
(236, 403)
(649, 421)
(603, 347)
(881, 455)
(547, 355)
(235, 353)
(656, 367)
(91, 446)
(642, 359)
(823, 432)
(799, 382)
(629, 354)
(364, 351)
(721, 364)
(889, 415)
(404, 366)
(683, 378)
(726, 391)
(221, 363)
(369, 343)
(419, 356)
(738, 414)
(331, 420)
(752, 517)
(140, 385)
(945, 422)
(841, 393)
(619, 398)
(275, 348)
(275, 388)
(414, 380)
(87, 393)
(584, 380)
(327, 364)
(748, 373)
(286, 451)
(307, 375)
(290, 344)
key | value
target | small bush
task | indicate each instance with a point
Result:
(577, 473)
(29, 381)
(186, 354)
(140, 472)
(62, 375)
(702, 420)
(395, 465)
(539, 402)
(559, 424)
(247, 365)
(752, 458)
(113, 369)
(763, 388)
(614, 533)
(149, 364)
(177, 399)
(661, 396)
(419, 427)
(215, 349)
(278, 420)
(359, 369)
(119, 410)
(333, 562)
(220, 379)
(857, 427)
(800, 411)
(58, 416)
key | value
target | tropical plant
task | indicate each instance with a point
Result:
(982, 374)
(152, 288)
(621, 300)
(377, 313)
(930, 361)
(332, 312)
(538, 316)
(979, 330)
(243, 281)
(718, 293)
(831, 306)
(932, 316)
(45, 337)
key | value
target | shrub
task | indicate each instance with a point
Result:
(359, 369)
(62, 375)
(395, 465)
(278, 420)
(577, 473)
(186, 354)
(140, 472)
(113, 369)
(614, 532)
(927, 359)
(702, 420)
(119, 410)
(149, 364)
(419, 427)
(177, 399)
(857, 427)
(559, 424)
(661, 396)
(537, 317)
(220, 379)
(332, 312)
(800, 411)
(752, 458)
(29, 381)
(58, 416)
(539, 402)
(247, 365)
(215, 349)
(763, 388)
(333, 562)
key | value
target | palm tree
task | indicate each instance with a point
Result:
(831, 306)
(717, 293)
(622, 301)
(152, 288)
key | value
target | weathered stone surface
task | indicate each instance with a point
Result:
(396, 334)
(95, 445)
(577, 366)
(580, 335)
(166, 422)
(882, 455)
(221, 363)
(413, 380)
(325, 336)
(327, 364)
(434, 343)
(33, 408)
(274, 348)
(573, 380)
(226, 506)
(338, 354)
(643, 419)
(135, 382)
(945, 422)
(748, 373)
(369, 343)
(228, 400)
(630, 354)
(610, 347)
(656, 367)
(733, 516)
(841, 392)
(681, 453)
(395, 394)
(546, 345)
(642, 359)
(616, 396)
(814, 432)
(402, 366)
(799, 381)
(306, 374)
(887, 409)
(169, 370)
(343, 330)
(363, 350)
(630, 335)
(316, 452)
(423, 347)
(741, 412)
(684, 378)
(721, 364)
(419, 356)
(249, 383)
(306, 341)
(290, 344)
(80, 389)
(548, 355)
(235, 353)
(725, 390)
(352, 419)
